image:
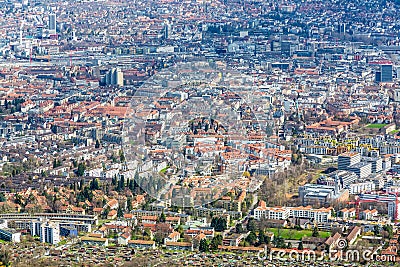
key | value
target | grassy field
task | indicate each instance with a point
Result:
(295, 234)
(164, 170)
(376, 125)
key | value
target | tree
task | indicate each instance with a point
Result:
(261, 237)
(377, 230)
(251, 238)
(5, 257)
(215, 242)
(389, 229)
(94, 184)
(315, 232)
(121, 156)
(179, 229)
(106, 211)
(81, 184)
(129, 203)
(131, 185)
(239, 228)
(300, 247)
(204, 246)
(2, 197)
(18, 199)
(333, 213)
(246, 174)
(81, 169)
(158, 238)
(120, 212)
(279, 242)
(219, 223)
(251, 224)
(162, 217)
(97, 145)
(121, 183)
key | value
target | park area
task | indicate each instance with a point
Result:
(293, 234)
(376, 125)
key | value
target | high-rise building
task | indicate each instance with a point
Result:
(347, 159)
(114, 77)
(50, 233)
(167, 31)
(385, 73)
(342, 28)
(53, 23)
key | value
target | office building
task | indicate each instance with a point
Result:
(68, 231)
(384, 73)
(311, 194)
(35, 227)
(53, 23)
(114, 77)
(362, 169)
(341, 28)
(347, 159)
(342, 178)
(375, 162)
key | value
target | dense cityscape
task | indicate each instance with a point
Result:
(199, 133)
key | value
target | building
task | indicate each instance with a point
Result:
(179, 246)
(114, 77)
(348, 213)
(341, 177)
(10, 235)
(282, 213)
(59, 217)
(173, 237)
(50, 233)
(369, 214)
(192, 232)
(124, 238)
(347, 159)
(68, 231)
(376, 164)
(142, 244)
(321, 194)
(94, 241)
(361, 187)
(362, 169)
(52, 23)
(233, 239)
(384, 73)
(393, 210)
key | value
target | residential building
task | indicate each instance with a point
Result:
(10, 235)
(50, 233)
(142, 244)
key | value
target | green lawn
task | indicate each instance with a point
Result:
(394, 132)
(164, 170)
(376, 125)
(296, 234)
(62, 242)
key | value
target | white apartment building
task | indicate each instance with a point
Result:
(283, 213)
(50, 233)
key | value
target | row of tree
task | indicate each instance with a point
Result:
(210, 245)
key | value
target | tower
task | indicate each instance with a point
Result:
(20, 32)
(384, 73)
(53, 23)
